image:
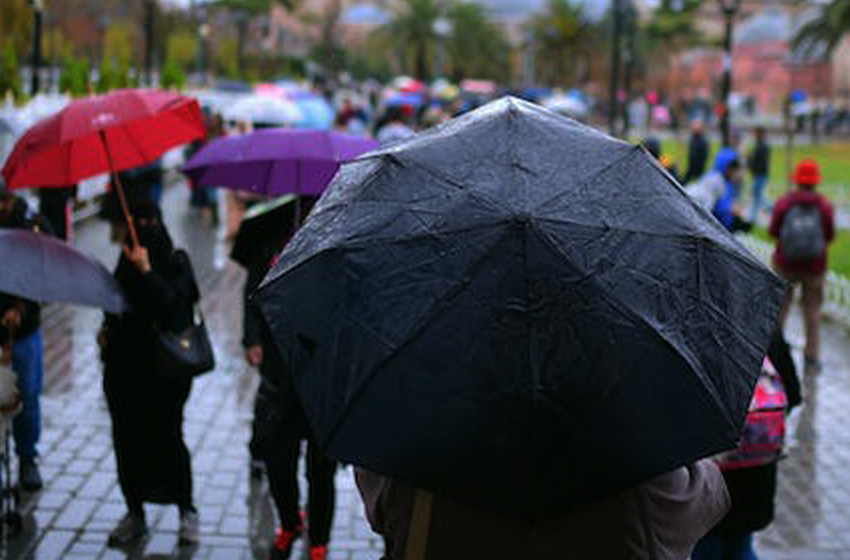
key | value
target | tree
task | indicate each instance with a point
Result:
(671, 29)
(328, 52)
(172, 75)
(477, 48)
(74, 79)
(181, 49)
(16, 24)
(10, 79)
(826, 29)
(106, 79)
(412, 30)
(566, 39)
(227, 59)
(115, 63)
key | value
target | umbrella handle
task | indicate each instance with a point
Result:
(124, 207)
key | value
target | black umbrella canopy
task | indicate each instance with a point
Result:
(520, 311)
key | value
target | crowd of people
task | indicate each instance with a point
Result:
(661, 518)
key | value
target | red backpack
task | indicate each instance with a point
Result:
(764, 432)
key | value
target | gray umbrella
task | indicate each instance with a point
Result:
(42, 268)
(521, 311)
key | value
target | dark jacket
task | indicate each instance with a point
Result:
(160, 299)
(759, 160)
(697, 157)
(30, 311)
(660, 519)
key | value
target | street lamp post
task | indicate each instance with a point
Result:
(528, 70)
(35, 62)
(730, 9)
(630, 60)
(617, 12)
(442, 28)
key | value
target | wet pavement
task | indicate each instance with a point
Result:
(81, 501)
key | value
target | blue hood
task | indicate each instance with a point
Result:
(723, 158)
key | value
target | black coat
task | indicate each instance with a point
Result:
(759, 160)
(145, 405)
(278, 406)
(697, 158)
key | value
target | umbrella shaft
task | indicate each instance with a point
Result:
(120, 189)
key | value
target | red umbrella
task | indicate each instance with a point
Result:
(103, 134)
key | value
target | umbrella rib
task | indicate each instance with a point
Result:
(584, 181)
(424, 320)
(622, 307)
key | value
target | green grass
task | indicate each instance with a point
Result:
(839, 249)
(834, 161)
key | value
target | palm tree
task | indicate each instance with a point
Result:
(478, 48)
(826, 29)
(566, 40)
(412, 25)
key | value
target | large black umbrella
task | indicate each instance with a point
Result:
(521, 311)
(42, 268)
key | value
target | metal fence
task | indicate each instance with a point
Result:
(837, 294)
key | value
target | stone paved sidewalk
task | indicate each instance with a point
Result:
(81, 501)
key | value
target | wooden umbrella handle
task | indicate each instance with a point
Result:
(125, 208)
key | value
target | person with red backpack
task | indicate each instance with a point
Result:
(803, 225)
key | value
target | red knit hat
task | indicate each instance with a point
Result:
(807, 173)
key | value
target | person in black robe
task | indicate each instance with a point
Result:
(145, 404)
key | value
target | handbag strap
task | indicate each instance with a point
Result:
(420, 523)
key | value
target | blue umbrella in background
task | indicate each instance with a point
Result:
(413, 100)
(316, 112)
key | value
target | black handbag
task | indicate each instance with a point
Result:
(188, 353)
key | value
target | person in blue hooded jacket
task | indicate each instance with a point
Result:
(715, 191)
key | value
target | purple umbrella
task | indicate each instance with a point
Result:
(276, 161)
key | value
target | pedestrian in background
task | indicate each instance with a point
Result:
(57, 205)
(803, 226)
(395, 126)
(715, 191)
(280, 426)
(759, 164)
(698, 151)
(20, 334)
(145, 403)
(750, 471)
(653, 146)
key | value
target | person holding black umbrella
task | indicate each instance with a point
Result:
(145, 402)
(662, 518)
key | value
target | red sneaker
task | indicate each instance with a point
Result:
(318, 553)
(282, 544)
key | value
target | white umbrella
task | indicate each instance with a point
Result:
(42, 106)
(566, 105)
(264, 109)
